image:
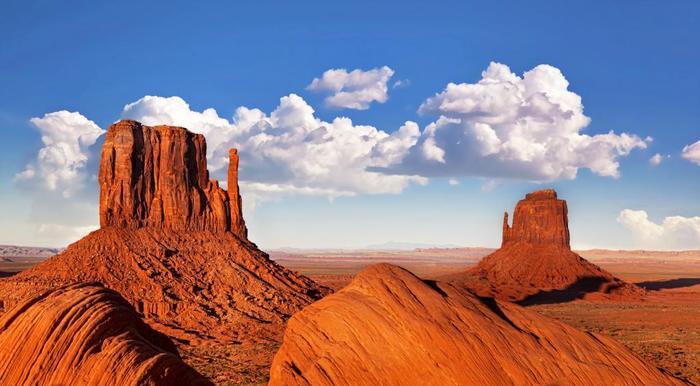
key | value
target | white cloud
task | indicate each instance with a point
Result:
(60, 164)
(507, 126)
(692, 153)
(291, 151)
(656, 159)
(356, 89)
(401, 83)
(674, 232)
(489, 186)
(453, 182)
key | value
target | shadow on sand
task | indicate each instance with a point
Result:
(7, 274)
(574, 291)
(668, 284)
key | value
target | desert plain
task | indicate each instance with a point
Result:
(662, 328)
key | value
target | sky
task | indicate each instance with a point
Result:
(366, 122)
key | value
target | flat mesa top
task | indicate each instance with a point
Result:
(541, 194)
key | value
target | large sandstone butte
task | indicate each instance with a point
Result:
(390, 328)
(535, 262)
(174, 244)
(158, 177)
(85, 334)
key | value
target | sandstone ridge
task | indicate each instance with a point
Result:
(387, 327)
(85, 334)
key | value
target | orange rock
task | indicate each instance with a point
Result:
(157, 177)
(390, 328)
(535, 262)
(86, 334)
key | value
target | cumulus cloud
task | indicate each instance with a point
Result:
(290, 150)
(356, 89)
(61, 163)
(692, 153)
(673, 232)
(656, 159)
(507, 126)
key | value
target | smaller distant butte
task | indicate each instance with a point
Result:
(535, 263)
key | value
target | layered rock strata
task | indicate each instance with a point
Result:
(85, 334)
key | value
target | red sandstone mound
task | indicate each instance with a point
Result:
(174, 244)
(86, 335)
(387, 327)
(535, 262)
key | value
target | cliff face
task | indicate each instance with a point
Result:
(86, 335)
(539, 219)
(157, 177)
(387, 327)
(535, 262)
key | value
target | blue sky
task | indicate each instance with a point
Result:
(633, 65)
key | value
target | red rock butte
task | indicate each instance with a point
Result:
(174, 245)
(540, 219)
(158, 177)
(85, 334)
(388, 327)
(535, 262)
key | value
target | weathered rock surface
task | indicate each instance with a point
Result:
(157, 177)
(86, 335)
(535, 262)
(175, 246)
(390, 328)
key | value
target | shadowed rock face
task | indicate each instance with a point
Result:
(157, 177)
(387, 327)
(535, 262)
(86, 335)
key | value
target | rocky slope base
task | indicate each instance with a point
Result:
(433, 333)
(193, 286)
(86, 335)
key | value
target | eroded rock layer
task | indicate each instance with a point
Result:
(390, 328)
(86, 334)
(535, 262)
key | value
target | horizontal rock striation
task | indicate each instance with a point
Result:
(86, 334)
(387, 327)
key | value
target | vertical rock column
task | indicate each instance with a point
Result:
(237, 223)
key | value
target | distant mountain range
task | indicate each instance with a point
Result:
(10, 252)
